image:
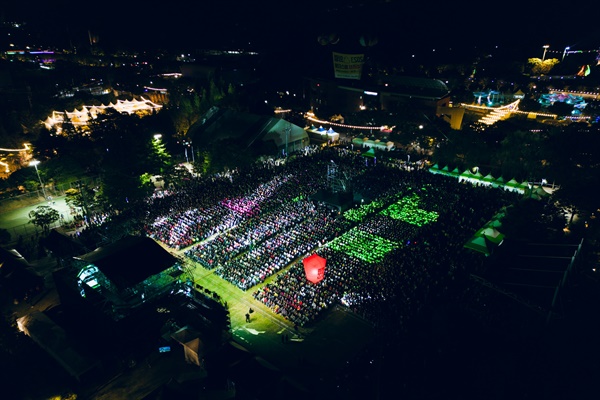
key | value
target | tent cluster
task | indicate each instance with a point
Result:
(82, 117)
(372, 143)
(325, 134)
(487, 237)
(477, 178)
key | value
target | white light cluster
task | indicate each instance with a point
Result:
(310, 118)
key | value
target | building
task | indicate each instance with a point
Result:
(114, 280)
(387, 93)
(249, 130)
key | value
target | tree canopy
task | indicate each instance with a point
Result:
(44, 216)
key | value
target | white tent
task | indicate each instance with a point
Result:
(492, 234)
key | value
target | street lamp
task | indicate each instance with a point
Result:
(187, 144)
(546, 46)
(35, 164)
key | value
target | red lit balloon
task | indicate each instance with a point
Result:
(314, 268)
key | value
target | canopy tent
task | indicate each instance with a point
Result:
(495, 223)
(467, 176)
(540, 193)
(514, 186)
(455, 172)
(435, 169)
(478, 175)
(488, 180)
(492, 234)
(498, 182)
(479, 244)
(370, 153)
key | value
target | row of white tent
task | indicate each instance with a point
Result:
(478, 178)
(84, 115)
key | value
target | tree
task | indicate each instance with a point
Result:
(541, 67)
(561, 109)
(44, 216)
(82, 197)
(176, 175)
(159, 159)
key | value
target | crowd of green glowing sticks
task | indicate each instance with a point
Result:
(359, 214)
(363, 245)
(407, 209)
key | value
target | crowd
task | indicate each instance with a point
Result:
(317, 226)
(386, 256)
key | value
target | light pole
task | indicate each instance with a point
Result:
(565, 52)
(187, 144)
(35, 164)
(546, 46)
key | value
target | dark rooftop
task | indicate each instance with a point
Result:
(130, 260)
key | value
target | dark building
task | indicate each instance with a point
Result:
(115, 279)
(389, 93)
(249, 131)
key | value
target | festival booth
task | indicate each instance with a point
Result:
(488, 180)
(378, 144)
(322, 135)
(455, 173)
(467, 176)
(514, 186)
(435, 169)
(445, 170)
(314, 268)
(539, 193)
(498, 182)
(81, 118)
(479, 244)
(492, 234)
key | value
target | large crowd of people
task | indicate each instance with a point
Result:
(401, 243)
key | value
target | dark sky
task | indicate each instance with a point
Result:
(294, 26)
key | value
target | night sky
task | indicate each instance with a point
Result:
(294, 26)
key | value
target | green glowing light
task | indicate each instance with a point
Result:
(363, 245)
(358, 214)
(407, 210)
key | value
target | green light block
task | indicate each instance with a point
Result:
(359, 214)
(407, 210)
(363, 245)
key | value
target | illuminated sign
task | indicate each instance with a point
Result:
(348, 66)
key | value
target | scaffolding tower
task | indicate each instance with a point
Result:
(335, 183)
